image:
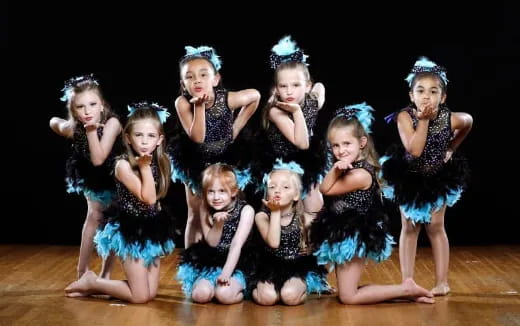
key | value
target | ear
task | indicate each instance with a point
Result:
(161, 137)
(127, 139)
(443, 98)
(234, 193)
(296, 197)
(308, 87)
(182, 85)
(411, 96)
(216, 80)
(363, 142)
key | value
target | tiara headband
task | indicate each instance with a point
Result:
(362, 112)
(425, 65)
(74, 82)
(161, 111)
(286, 51)
(206, 52)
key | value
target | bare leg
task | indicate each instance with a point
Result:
(94, 216)
(265, 294)
(230, 294)
(441, 251)
(408, 246)
(153, 278)
(294, 291)
(106, 266)
(312, 204)
(203, 291)
(349, 274)
(193, 231)
(135, 290)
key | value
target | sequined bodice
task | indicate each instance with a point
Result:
(80, 142)
(219, 126)
(361, 200)
(289, 241)
(230, 226)
(437, 141)
(283, 147)
(129, 203)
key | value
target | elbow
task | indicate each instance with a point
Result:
(303, 145)
(415, 153)
(149, 201)
(274, 244)
(97, 162)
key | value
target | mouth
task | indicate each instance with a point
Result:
(290, 99)
(198, 89)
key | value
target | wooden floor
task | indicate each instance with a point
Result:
(485, 283)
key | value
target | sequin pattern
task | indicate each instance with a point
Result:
(219, 127)
(289, 247)
(282, 146)
(230, 226)
(437, 141)
(361, 200)
(80, 142)
(131, 204)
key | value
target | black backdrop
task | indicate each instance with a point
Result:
(361, 53)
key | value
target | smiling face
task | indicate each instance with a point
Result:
(291, 85)
(345, 145)
(144, 136)
(87, 106)
(198, 77)
(218, 195)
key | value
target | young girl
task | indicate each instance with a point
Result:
(289, 118)
(205, 110)
(215, 266)
(141, 232)
(285, 269)
(422, 174)
(352, 226)
(93, 129)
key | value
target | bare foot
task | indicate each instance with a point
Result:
(81, 286)
(441, 289)
(80, 273)
(417, 293)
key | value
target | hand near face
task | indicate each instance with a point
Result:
(199, 100)
(91, 126)
(288, 107)
(220, 217)
(144, 160)
(272, 205)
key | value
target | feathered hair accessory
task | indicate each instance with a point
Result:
(362, 112)
(281, 165)
(286, 50)
(161, 111)
(425, 65)
(73, 82)
(203, 51)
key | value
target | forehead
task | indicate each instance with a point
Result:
(338, 134)
(428, 82)
(291, 74)
(280, 176)
(218, 182)
(196, 65)
(87, 95)
(145, 125)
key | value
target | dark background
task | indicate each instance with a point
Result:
(360, 53)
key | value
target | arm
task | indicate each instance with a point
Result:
(461, 123)
(352, 180)
(269, 227)
(319, 91)
(245, 225)
(143, 188)
(194, 123)
(213, 233)
(101, 148)
(247, 100)
(62, 127)
(293, 130)
(413, 140)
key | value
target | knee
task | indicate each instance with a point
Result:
(409, 229)
(435, 228)
(347, 298)
(291, 296)
(227, 295)
(140, 297)
(202, 294)
(265, 297)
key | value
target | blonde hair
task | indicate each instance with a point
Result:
(223, 172)
(83, 86)
(163, 161)
(368, 152)
(299, 210)
(272, 98)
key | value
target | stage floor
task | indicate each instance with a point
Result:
(485, 285)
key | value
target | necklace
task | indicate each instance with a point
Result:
(287, 214)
